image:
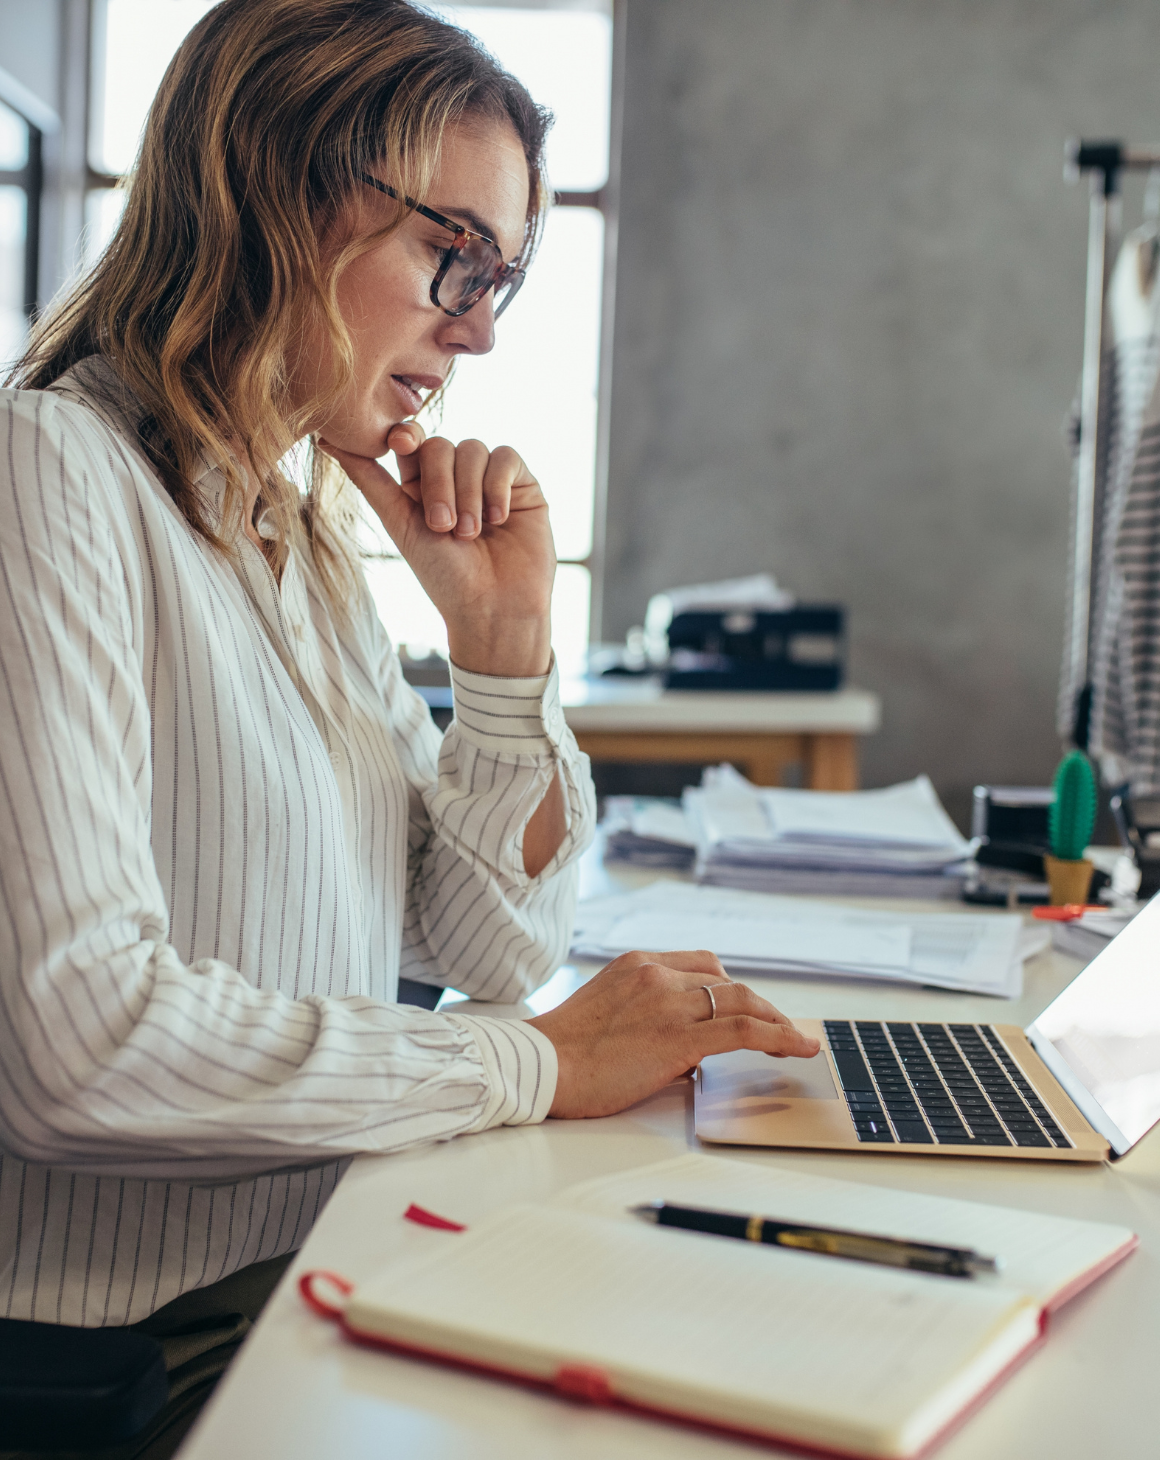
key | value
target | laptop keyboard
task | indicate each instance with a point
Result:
(936, 1084)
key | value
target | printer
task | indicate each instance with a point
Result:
(746, 633)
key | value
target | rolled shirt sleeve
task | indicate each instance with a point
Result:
(476, 921)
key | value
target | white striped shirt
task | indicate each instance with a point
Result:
(226, 826)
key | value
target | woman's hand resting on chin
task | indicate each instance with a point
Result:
(644, 1020)
(473, 525)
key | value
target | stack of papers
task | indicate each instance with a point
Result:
(758, 935)
(896, 842)
(647, 831)
(1086, 937)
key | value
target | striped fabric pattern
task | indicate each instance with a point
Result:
(1124, 652)
(226, 826)
(1128, 375)
(1128, 667)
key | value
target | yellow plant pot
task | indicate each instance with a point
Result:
(1069, 881)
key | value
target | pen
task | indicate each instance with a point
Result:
(961, 1262)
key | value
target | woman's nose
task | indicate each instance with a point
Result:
(475, 330)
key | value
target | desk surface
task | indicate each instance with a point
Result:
(616, 704)
(298, 1391)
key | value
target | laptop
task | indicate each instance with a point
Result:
(1080, 1083)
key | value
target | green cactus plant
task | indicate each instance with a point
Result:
(1071, 818)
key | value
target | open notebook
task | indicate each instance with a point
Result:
(840, 1356)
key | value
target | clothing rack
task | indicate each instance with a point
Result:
(1104, 163)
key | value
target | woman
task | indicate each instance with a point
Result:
(227, 826)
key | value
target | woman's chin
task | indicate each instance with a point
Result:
(360, 439)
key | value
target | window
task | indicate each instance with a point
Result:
(20, 187)
(132, 43)
(537, 391)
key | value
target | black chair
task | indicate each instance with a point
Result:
(67, 1388)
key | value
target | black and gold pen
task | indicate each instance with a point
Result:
(961, 1262)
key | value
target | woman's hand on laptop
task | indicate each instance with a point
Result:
(645, 1019)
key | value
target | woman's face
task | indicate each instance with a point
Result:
(403, 344)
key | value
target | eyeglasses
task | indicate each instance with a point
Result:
(470, 267)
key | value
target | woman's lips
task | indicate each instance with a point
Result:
(410, 387)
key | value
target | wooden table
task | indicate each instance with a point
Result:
(298, 1391)
(762, 734)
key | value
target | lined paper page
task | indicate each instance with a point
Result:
(1041, 1254)
(838, 1353)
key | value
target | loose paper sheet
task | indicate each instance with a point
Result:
(758, 933)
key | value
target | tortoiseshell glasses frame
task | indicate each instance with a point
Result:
(476, 260)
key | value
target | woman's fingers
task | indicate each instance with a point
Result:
(432, 470)
(746, 1031)
(701, 965)
(461, 488)
(504, 469)
(729, 1001)
(471, 461)
(405, 438)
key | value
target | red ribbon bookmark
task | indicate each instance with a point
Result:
(424, 1218)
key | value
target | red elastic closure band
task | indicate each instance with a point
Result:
(578, 1381)
(320, 1305)
(424, 1218)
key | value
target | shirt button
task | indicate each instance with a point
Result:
(336, 758)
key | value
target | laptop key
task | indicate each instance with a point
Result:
(852, 1070)
(913, 1132)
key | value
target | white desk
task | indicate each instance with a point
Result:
(617, 719)
(298, 1391)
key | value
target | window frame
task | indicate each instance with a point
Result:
(30, 180)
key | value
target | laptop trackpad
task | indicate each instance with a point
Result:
(748, 1098)
(747, 1073)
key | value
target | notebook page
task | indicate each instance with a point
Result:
(1042, 1255)
(856, 1357)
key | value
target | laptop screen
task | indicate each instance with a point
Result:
(1101, 1036)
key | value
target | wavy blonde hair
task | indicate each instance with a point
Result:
(254, 144)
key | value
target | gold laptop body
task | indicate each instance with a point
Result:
(748, 1099)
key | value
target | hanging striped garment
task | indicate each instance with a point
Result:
(227, 826)
(1129, 375)
(1126, 672)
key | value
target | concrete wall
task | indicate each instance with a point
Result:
(849, 325)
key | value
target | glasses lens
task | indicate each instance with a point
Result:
(472, 272)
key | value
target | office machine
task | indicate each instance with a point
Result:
(1010, 825)
(1080, 1083)
(801, 648)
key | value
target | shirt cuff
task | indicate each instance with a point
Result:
(521, 1069)
(510, 716)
